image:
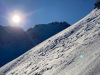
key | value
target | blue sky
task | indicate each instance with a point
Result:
(45, 11)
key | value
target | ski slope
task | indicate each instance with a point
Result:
(74, 51)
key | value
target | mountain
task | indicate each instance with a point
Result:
(42, 32)
(14, 41)
(73, 51)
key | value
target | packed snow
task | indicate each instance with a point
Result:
(74, 51)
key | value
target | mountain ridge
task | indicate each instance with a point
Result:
(43, 31)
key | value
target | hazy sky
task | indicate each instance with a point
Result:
(45, 11)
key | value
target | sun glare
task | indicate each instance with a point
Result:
(16, 19)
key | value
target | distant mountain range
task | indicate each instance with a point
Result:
(14, 41)
(44, 31)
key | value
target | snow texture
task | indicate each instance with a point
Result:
(60, 54)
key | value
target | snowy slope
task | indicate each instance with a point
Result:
(60, 54)
(42, 32)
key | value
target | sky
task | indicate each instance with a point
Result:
(44, 11)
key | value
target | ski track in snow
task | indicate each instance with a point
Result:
(60, 54)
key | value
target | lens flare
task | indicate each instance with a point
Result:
(81, 56)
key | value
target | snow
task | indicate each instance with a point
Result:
(60, 54)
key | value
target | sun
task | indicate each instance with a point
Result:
(16, 19)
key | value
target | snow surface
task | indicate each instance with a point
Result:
(60, 54)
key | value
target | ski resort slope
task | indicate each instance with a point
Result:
(74, 51)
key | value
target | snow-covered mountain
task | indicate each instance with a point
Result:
(13, 42)
(42, 32)
(74, 51)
